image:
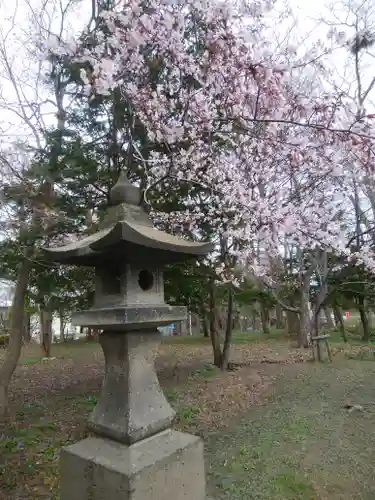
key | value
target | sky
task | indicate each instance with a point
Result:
(15, 19)
(6, 292)
(308, 15)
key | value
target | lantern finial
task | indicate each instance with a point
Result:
(124, 192)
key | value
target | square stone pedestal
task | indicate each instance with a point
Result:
(169, 465)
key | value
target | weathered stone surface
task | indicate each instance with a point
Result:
(122, 284)
(131, 405)
(125, 192)
(136, 456)
(168, 466)
(130, 318)
(127, 228)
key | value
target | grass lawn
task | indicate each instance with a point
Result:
(273, 429)
(302, 444)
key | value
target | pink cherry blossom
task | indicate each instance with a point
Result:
(273, 156)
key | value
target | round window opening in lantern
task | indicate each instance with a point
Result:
(145, 279)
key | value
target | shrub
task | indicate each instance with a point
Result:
(4, 340)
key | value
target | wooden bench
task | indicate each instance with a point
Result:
(317, 346)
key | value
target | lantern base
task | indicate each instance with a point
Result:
(167, 465)
(131, 405)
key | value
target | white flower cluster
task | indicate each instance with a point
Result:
(272, 158)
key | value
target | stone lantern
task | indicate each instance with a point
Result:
(133, 452)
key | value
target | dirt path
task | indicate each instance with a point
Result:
(79, 369)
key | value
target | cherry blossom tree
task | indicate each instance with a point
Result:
(353, 23)
(265, 150)
(243, 128)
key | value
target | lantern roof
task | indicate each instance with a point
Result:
(127, 230)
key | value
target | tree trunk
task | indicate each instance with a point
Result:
(220, 318)
(340, 322)
(304, 322)
(205, 322)
(369, 318)
(304, 333)
(328, 315)
(45, 318)
(89, 334)
(265, 319)
(62, 327)
(364, 319)
(316, 322)
(254, 320)
(27, 328)
(279, 317)
(240, 326)
(215, 339)
(292, 323)
(304, 330)
(16, 333)
(228, 332)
